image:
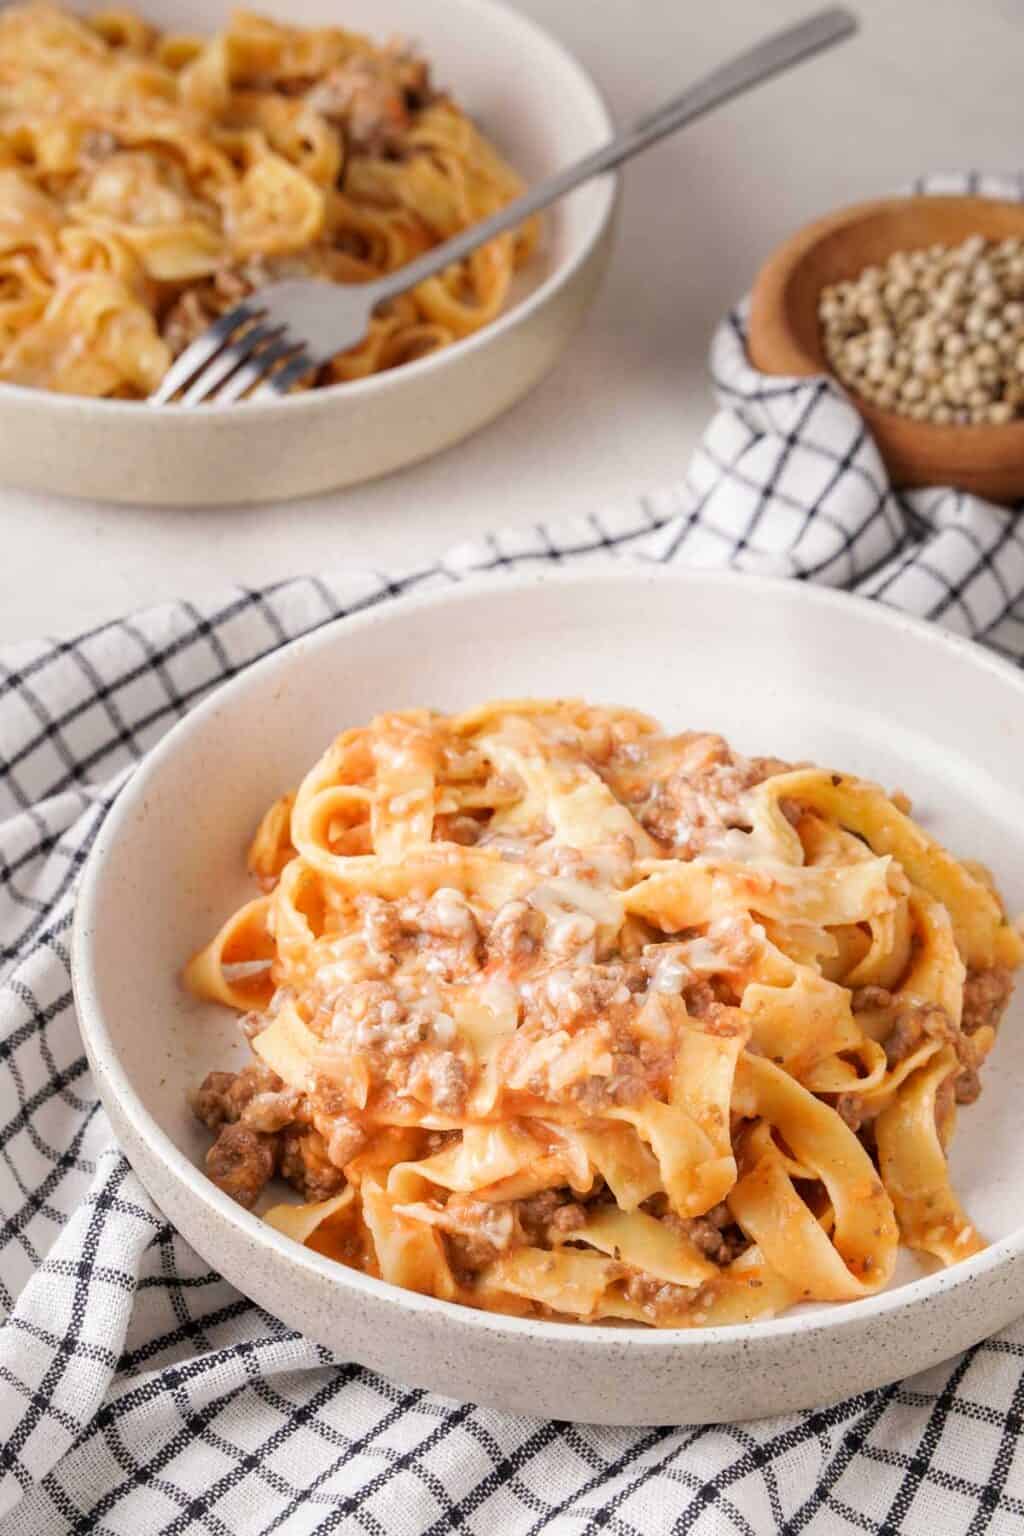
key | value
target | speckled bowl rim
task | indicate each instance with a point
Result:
(99, 1047)
(326, 399)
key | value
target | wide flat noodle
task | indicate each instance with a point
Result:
(644, 1244)
(864, 809)
(915, 1169)
(409, 1254)
(565, 1280)
(235, 967)
(862, 1253)
(299, 1222)
(581, 808)
(694, 1173)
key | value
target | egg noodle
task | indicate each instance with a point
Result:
(556, 1014)
(149, 181)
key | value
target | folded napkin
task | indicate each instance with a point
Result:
(141, 1393)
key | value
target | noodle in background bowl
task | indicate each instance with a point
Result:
(887, 697)
(541, 111)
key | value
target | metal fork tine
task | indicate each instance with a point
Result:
(257, 368)
(224, 364)
(200, 351)
(281, 382)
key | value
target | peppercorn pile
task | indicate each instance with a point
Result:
(936, 334)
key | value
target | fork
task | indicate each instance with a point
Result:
(270, 341)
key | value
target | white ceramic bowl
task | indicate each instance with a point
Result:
(543, 111)
(779, 668)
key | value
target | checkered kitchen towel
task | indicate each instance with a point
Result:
(138, 1391)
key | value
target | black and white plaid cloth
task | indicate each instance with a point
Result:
(138, 1391)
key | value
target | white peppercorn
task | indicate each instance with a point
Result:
(935, 334)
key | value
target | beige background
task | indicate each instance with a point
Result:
(930, 84)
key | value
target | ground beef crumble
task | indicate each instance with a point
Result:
(262, 1129)
(550, 1212)
(224, 1097)
(700, 798)
(241, 1162)
(714, 1233)
(986, 994)
(305, 1163)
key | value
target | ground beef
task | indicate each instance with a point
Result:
(372, 98)
(656, 1296)
(700, 798)
(241, 1162)
(305, 1163)
(438, 1140)
(551, 1214)
(626, 1084)
(98, 144)
(850, 1109)
(468, 1253)
(986, 994)
(700, 999)
(382, 928)
(269, 1112)
(704, 1003)
(448, 1083)
(909, 1028)
(345, 1140)
(870, 999)
(187, 318)
(477, 1231)
(568, 1218)
(910, 1022)
(713, 1233)
(327, 1109)
(516, 932)
(223, 1097)
(193, 311)
(456, 828)
(967, 1086)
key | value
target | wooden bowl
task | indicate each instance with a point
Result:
(785, 335)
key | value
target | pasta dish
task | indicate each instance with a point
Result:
(553, 1013)
(150, 181)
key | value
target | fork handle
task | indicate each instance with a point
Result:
(770, 57)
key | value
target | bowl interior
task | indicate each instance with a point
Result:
(497, 65)
(883, 697)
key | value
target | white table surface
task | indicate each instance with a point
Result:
(929, 84)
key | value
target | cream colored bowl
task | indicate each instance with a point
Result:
(540, 107)
(780, 668)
